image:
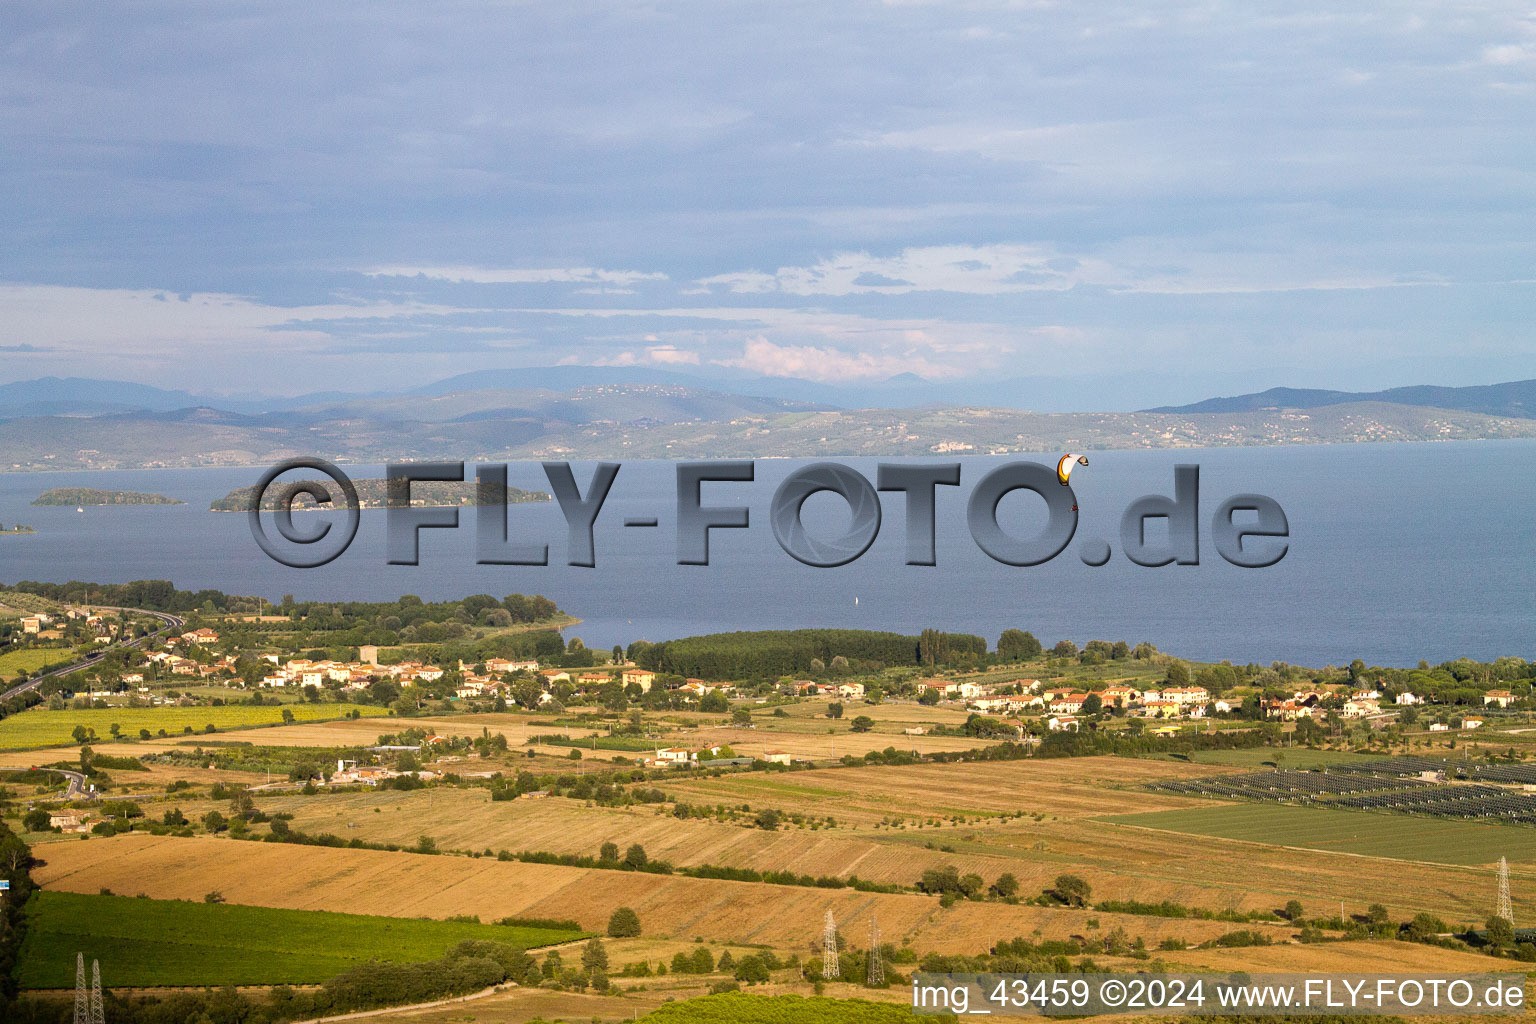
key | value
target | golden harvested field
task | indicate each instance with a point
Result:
(1381, 955)
(1120, 863)
(1063, 787)
(411, 885)
(469, 820)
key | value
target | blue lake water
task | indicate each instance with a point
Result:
(1398, 552)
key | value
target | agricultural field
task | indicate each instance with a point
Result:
(1268, 757)
(1064, 787)
(40, 727)
(147, 942)
(1407, 837)
(31, 659)
(407, 885)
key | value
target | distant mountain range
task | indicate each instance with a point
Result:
(1516, 398)
(607, 412)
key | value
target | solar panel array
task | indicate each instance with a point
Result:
(1458, 789)
(1473, 771)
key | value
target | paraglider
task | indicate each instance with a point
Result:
(1067, 464)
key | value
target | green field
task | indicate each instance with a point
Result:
(1404, 836)
(1269, 757)
(33, 658)
(164, 942)
(40, 727)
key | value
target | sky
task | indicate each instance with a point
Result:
(1146, 203)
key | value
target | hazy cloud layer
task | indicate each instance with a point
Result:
(1304, 195)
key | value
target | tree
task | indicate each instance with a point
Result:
(1072, 890)
(1064, 649)
(213, 821)
(751, 970)
(863, 723)
(928, 697)
(608, 853)
(715, 703)
(1377, 914)
(624, 923)
(971, 885)
(1178, 673)
(768, 819)
(1093, 704)
(288, 716)
(1006, 886)
(594, 956)
(1293, 910)
(1501, 932)
(36, 820)
(635, 856)
(702, 960)
(834, 710)
(1018, 645)
(741, 716)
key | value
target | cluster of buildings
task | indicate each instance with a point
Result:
(707, 757)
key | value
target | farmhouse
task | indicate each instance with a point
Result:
(1503, 698)
(1187, 694)
(1471, 723)
(32, 624)
(1359, 708)
(1061, 723)
(1406, 698)
(776, 757)
(1287, 710)
(1068, 704)
(1439, 727)
(1161, 709)
(640, 677)
(851, 691)
(1119, 696)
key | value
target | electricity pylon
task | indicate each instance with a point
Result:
(82, 994)
(98, 1014)
(874, 977)
(829, 967)
(1505, 909)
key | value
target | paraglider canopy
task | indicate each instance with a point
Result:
(1065, 466)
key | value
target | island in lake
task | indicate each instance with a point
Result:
(370, 494)
(13, 530)
(81, 496)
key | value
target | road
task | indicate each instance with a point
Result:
(170, 622)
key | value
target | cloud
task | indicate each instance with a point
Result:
(623, 279)
(1506, 54)
(1134, 266)
(962, 269)
(111, 323)
(821, 363)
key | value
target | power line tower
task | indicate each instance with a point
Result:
(875, 976)
(82, 994)
(829, 967)
(1505, 909)
(98, 1014)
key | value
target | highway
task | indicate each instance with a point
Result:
(170, 622)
